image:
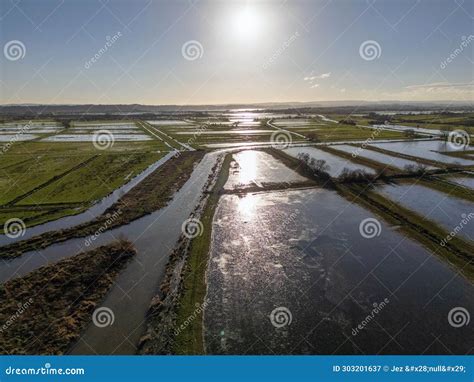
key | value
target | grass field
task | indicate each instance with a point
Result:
(63, 178)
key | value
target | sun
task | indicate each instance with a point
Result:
(246, 23)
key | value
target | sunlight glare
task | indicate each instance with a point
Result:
(247, 23)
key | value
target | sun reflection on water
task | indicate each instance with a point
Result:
(247, 207)
(247, 161)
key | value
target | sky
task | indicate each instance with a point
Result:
(220, 52)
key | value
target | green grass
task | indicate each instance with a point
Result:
(342, 132)
(26, 176)
(190, 339)
(71, 173)
(94, 181)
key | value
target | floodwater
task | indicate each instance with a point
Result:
(17, 137)
(378, 157)
(300, 255)
(446, 210)
(154, 236)
(219, 132)
(425, 149)
(418, 130)
(294, 122)
(255, 167)
(91, 213)
(90, 138)
(244, 144)
(464, 181)
(169, 122)
(336, 164)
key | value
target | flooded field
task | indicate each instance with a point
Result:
(153, 236)
(425, 149)
(17, 137)
(170, 122)
(290, 273)
(464, 181)
(446, 210)
(378, 157)
(336, 164)
(91, 138)
(255, 167)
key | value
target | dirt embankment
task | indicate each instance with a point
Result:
(181, 294)
(45, 311)
(151, 194)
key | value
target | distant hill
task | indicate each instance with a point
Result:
(37, 109)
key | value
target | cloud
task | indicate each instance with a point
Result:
(314, 86)
(319, 77)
